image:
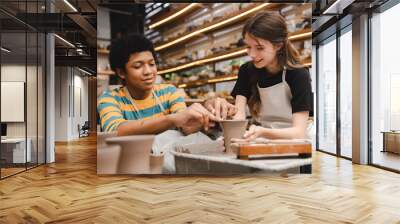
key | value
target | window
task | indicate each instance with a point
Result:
(346, 92)
(385, 85)
(327, 95)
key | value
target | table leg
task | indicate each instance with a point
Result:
(306, 169)
(243, 157)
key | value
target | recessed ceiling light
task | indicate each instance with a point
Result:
(64, 40)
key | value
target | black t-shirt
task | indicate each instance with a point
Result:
(299, 81)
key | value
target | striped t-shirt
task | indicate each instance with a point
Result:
(115, 108)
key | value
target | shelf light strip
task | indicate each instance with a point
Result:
(154, 25)
(222, 79)
(182, 85)
(233, 54)
(299, 36)
(230, 78)
(211, 27)
(203, 61)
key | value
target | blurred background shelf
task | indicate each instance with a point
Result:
(199, 46)
(106, 72)
(218, 22)
(103, 51)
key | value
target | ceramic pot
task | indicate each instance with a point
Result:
(102, 136)
(108, 159)
(156, 163)
(135, 153)
(232, 129)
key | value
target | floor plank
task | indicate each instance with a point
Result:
(69, 191)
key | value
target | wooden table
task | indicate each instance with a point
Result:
(391, 141)
(222, 163)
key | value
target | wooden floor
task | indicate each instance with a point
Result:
(10, 171)
(69, 191)
(386, 159)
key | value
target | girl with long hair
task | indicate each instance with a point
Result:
(274, 85)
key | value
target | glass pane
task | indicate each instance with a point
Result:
(386, 89)
(13, 85)
(327, 96)
(346, 94)
(31, 98)
(41, 99)
(31, 87)
(314, 90)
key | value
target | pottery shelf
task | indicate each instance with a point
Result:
(171, 16)
(106, 72)
(220, 23)
(225, 78)
(203, 82)
(234, 53)
(103, 51)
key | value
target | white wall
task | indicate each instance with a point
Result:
(61, 103)
(81, 104)
(70, 83)
(14, 73)
(34, 125)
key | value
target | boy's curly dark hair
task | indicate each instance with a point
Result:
(122, 48)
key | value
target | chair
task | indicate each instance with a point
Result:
(84, 130)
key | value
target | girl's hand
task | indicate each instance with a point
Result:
(253, 133)
(220, 108)
(193, 119)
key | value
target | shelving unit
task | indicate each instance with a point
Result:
(173, 15)
(198, 83)
(219, 79)
(216, 24)
(194, 40)
(187, 50)
(212, 58)
(306, 33)
(103, 51)
(105, 72)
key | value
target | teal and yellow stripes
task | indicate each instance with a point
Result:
(114, 108)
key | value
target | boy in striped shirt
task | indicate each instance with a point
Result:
(140, 106)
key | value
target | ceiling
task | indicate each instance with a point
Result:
(79, 27)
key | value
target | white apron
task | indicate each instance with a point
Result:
(276, 109)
